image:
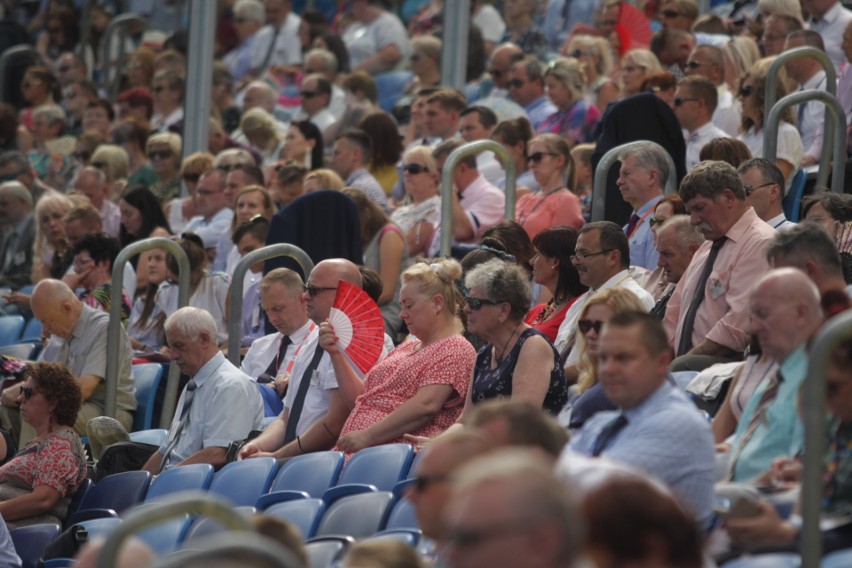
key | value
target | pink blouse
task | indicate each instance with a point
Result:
(536, 212)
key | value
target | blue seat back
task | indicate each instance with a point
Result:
(402, 516)
(117, 492)
(390, 87)
(304, 514)
(31, 541)
(10, 329)
(311, 473)
(99, 527)
(77, 498)
(165, 537)
(197, 476)
(357, 516)
(324, 552)
(155, 436)
(204, 526)
(382, 466)
(415, 463)
(792, 202)
(244, 481)
(780, 560)
(32, 331)
(18, 350)
(839, 559)
(146, 378)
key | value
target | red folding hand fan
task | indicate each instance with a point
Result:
(358, 325)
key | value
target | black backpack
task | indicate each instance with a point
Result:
(123, 456)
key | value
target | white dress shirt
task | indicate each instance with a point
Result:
(265, 349)
(695, 141)
(831, 27)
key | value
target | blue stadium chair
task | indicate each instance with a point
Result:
(78, 497)
(390, 87)
(243, 482)
(412, 471)
(112, 495)
(18, 350)
(683, 378)
(411, 538)
(357, 516)
(165, 537)
(839, 559)
(792, 202)
(325, 551)
(309, 473)
(60, 563)
(147, 378)
(304, 514)
(10, 329)
(197, 477)
(383, 466)
(31, 541)
(32, 331)
(99, 527)
(155, 436)
(205, 526)
(780, 560)
(402, 516)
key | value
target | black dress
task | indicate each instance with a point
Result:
(497, 383)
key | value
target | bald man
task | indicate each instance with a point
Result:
(80, 342)
(785, 313)
(318, 411)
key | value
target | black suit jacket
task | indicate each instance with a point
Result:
(18, 272)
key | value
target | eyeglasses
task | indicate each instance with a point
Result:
(671, 14)
(241, 20)
(466, 539)
(191, 178)
(496, 73)
(159, 154)
(421, 483)
(516, 83)
(28, 392)
(536, 157)
(313, 291)
(415, 57)
(680, 100)
(749, 189)
(81, 156)
(11, 176)
(226, 167)
(70, 95)
(308, 94)
(203, 192)
(581, 256)
(477, 303)
(159, 89)
(588, 325)
(99, 165)
(28, 84)
(656, 221)
(64, 68)
(80, 262)
(696, 64)
(746, 91)
(414, 169)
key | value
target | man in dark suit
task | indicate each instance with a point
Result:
(16, 220)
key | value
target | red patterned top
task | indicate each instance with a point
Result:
(58, 461)
(403, 372)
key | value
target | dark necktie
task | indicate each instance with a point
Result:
(189, 393)
(685, 343)
(659, 309)
(272, 370)
(270, 50)
(608, 434)
(8, 250)
(766, 399)
(631, 225)
(299, 400)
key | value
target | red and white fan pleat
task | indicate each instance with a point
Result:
(358, 325)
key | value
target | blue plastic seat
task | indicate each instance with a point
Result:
(325, 551)
(165, 537)
(99, 527)
(205, 526)
(312, 473)
(412, 470)
(402, 516)
(10, 329)
(792, 202)
(383, 466)
(32, 331)
(357, 516)
(146, 378)
(390, 87)
(780, 560)
(31, 541)
(243, 482)
(304, 514)
(18, 350)
(197, 476)
(839, 559)
(155, 436)
(60, 563)
(78, 497)
(409, 537)
(112, 495)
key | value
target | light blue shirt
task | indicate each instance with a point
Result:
(781, 431)
(666, 436)
(238, 59)
(642, 250)
(539, 110)
(226, 406)
(212, 231)
(364, 180)
(557, 27)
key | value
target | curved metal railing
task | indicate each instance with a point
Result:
(111, 74)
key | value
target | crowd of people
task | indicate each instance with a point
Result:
(331, 130)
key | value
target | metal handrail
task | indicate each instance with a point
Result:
(606, 162)
(197, 101)
(454, 60)
(832, 105)
(12, 53)
(470, 149)
(116, 25)
(773, 75)
(113, 331)
(235, 295)
(836, 331)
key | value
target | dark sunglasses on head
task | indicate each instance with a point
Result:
(477, 303)
(536, 157)
(159, 154)
(414, 169)
(746, 90)
(656, 221)
(308, 94)
(98, 165)
(28, 392)
(516, 83)
(680, 100)
(671, 14)
(191, 178)
(587, 325)
(496, 73)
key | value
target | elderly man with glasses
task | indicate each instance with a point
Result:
(763, 184)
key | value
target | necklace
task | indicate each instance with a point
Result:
(499, 358)
(524, 215)
(549, 309)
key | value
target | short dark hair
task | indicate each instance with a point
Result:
(709, 179)
(768, 170)
(487, 118)
(806, 241)
(701, 88)
(56, 383)
(447, 147)
(371, 282)
(361, 139)
(730, 150)
(653, 335)
(100, 247)
(809, 37)
(838, 205)
(104, 104)
(254, 175)
(610, 236)
(257, 226)
(527, 424)
(559, 243)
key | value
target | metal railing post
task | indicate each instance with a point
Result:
(13, 53)
(113, 331)
(455, 40)
(835, 332)
(772, 76)
(199, 76)
(832, 108)
(606, 162)
(118, 25)
(471, 149)
(235, 294)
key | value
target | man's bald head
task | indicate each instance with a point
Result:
(502, 59)
(785, 311)
(342, 269)
(322, 285)
(56, 306)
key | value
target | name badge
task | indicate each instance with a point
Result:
(315, 378)
(717, 289)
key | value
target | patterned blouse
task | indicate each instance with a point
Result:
(577, 122)
(837, 499)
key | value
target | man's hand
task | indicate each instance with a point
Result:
(327, 338)
(9, 396)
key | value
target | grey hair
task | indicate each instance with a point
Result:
(503, 282)
(53, 113)
(99, 175)
(269, 95)
(806, 241)
(17, 190)
(649, 156)
(14, 157)
(686, 233)
(191, 323)
(240, 156)
(710, 179)
(251, 9)
(768, 171)
(329, 59)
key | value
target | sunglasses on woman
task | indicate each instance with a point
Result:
(536, 157)
(159, 154)
(477, 303)
(746, 91)
(588, 325)
(28, 392)
(415, 169)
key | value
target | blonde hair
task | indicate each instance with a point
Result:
(424, 153)
(327, 178)
(169, 138)
(438, 277)
(644, 58)
(619, 300)
(598, 47)
(118, 164)
(569, 72)
(199, 162)
(48, 204)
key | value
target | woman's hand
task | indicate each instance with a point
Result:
(355, 441)
(762, 529)
(417, 441)
(17, 298)
(327, 339)
(252, 450)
